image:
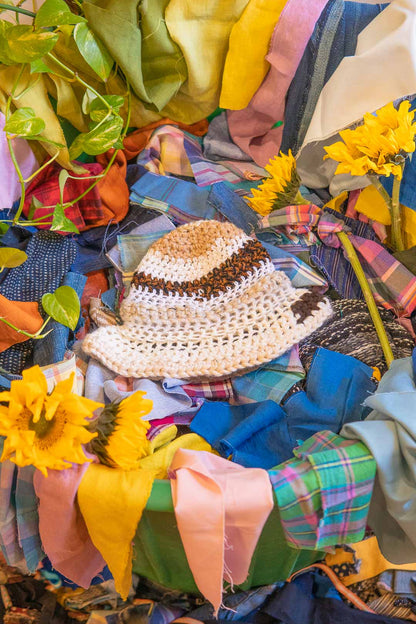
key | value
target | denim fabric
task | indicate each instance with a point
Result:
(301, 602)
(49, 258)
(185, 202)
(346, 383)
(51, 349)
(334, 37)
(264, 434)
(93, 244)
(237, 606)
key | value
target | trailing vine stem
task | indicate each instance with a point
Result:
(17, 9)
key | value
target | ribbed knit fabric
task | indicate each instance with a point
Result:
(206, 302)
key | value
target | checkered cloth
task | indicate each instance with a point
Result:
(19, 522)
(271, 380)
(324, 493)
(45, 187)
(393, 286)
(212, 391)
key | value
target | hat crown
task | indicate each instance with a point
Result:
(202, 258)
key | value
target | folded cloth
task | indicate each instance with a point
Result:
(390, 433)
(24, 315)
(324, 493)
(334, 37)
(220, 509)
(358, 86)
(62, 528)
(254, 127)
(264, 434)
(136, 141)
(20, 541)
(112, 502)
(245, 64)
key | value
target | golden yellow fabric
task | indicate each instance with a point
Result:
(202, 30)
(245, 64)
(112, 502)
(372, 561)
(371, 204)
(336, 202)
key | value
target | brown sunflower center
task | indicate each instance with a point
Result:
(48, 432)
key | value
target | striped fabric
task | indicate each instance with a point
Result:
(324, 493)
(393, 286)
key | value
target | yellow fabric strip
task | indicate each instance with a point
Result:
(245, 64)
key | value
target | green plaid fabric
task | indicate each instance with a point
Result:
(324, 493)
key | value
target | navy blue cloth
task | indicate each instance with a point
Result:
(93, 244)
(299, 602)
(264, 434)
(334, 37)
(56, 578)
(49, 256)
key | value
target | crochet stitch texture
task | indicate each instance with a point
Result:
(206, 301)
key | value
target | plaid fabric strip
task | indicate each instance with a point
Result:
(324, 493)
(392, 284)
(300, 274)
(60, 371)
(300, 218)
(171, 151)
(212, 391)
(45, 187)
(270, 381)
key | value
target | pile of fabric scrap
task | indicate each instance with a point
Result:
(225, 430)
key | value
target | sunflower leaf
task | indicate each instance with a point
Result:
(63, 306)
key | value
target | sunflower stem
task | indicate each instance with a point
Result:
(376, 182)
(396, 218)
(368, 296)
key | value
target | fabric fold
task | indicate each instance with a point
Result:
(220, 509)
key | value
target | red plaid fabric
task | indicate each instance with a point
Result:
(213, 391)
(45, 187)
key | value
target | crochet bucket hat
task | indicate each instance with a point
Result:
(206, 301)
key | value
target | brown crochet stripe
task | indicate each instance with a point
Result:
(238, 266)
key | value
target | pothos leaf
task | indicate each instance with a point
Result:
(11, 257)
(63, 306)
(24, 122)
(39, 67)
(93, 51)
(98, 110)
(99, 139)
(26, 45)
(56, 13)
(61, 223)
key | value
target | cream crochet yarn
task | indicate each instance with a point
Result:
(206, 302)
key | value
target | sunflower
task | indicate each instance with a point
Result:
(280, 189)
(379, 146)
(121, 441)
(44, 430)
